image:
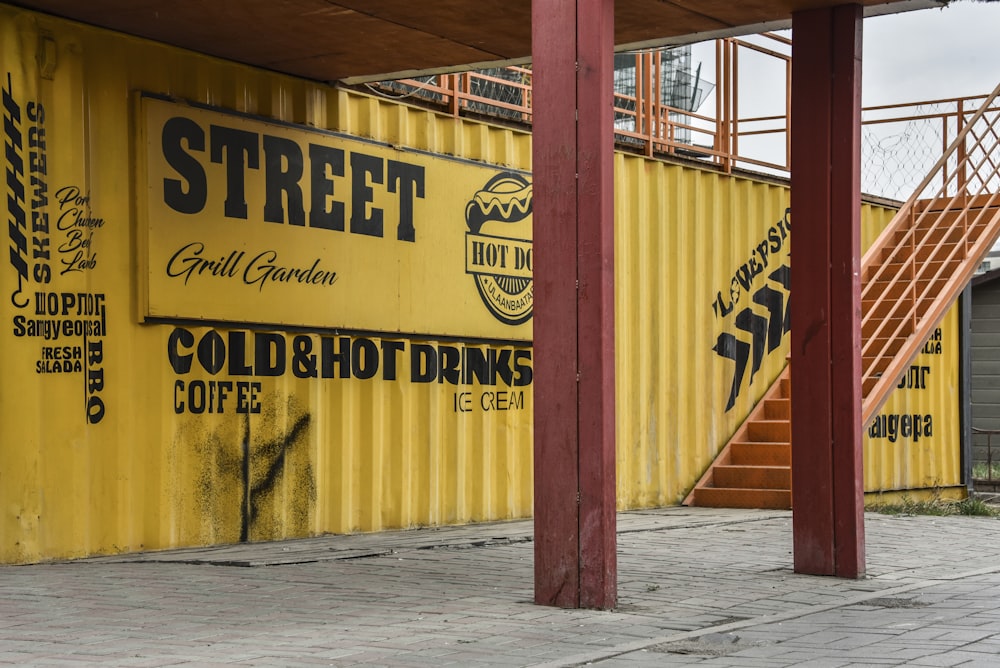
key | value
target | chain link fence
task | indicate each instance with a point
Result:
(898, 152)
(900, 145)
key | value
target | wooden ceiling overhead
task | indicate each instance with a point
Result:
(359, 40)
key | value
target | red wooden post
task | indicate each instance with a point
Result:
(827, 478)
(575, 560)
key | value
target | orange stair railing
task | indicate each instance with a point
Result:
(911, 276)
(928, 253)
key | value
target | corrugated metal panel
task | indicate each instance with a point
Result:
(915, 440)
(351, 454)
(345, 233)
(701, 334)
(700, 260)
(388, 121)
(162, 458)
(126, 451)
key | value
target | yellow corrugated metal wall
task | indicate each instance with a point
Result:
(683, 236)
(168, 462)
(116, 449)
(701, 297)
(915, 440)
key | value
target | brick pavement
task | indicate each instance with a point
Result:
(696, 587)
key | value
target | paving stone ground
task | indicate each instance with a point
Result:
(696, 587)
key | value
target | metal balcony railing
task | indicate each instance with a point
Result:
(900, 142)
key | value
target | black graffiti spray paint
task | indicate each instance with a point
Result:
(273, 453)
(16, 217)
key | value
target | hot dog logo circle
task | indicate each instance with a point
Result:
(497, 251)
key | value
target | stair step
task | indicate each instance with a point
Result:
(882, 289)
(904, 281)
(715, 497)
(777, 409)
(742, 453)
(880, 278)
(869, 377)
(939, 261)
(973, 202)
(885, 309)
(923, 237)
(935, 271)
(884, 286)
(880, 347)
(769, 430)
(752, 477)
(886, 326)
(908, 306)
(942, 250)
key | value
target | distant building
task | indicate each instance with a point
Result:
(985, 362)
(678, 82)
(990, 262)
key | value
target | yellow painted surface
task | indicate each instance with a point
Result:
(926, 494)
(701, 301)
(384, 442)
(146, 414)
(144, 410)
(247, 220)
(687, 266)
(915, 440)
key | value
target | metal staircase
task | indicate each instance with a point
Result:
(910, 277)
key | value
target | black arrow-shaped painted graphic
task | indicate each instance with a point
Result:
(756, 325)
(764, 331)
(773, 300)
(783, 275)
(730, 347)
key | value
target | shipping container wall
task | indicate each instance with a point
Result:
(915, 441)
(223, 320)
(701, 263)
(240, 306)
(702, 270)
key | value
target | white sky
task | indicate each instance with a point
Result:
(932, 53)
(911, 57)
